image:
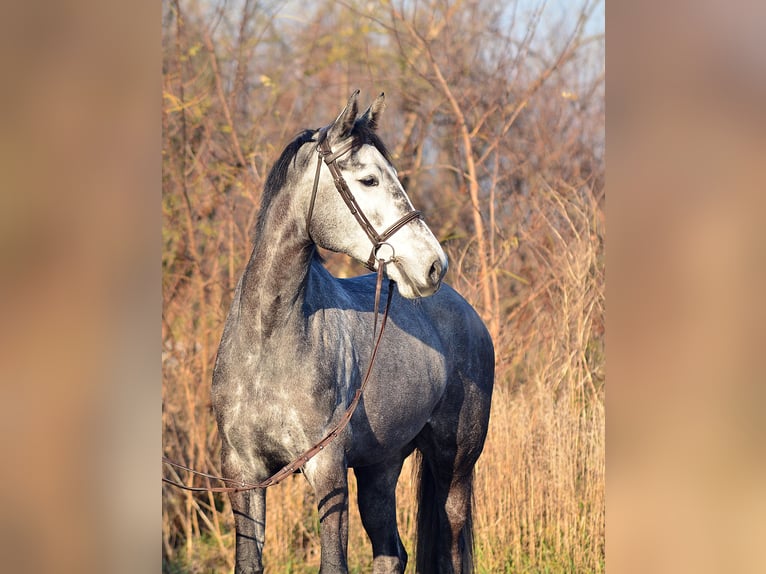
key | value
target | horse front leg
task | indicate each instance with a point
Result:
(327, 474)
(249, 509)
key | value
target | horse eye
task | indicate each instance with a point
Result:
(370, 181)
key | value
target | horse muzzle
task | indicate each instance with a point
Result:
(413, 284)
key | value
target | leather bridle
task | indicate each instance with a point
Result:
(330, 158)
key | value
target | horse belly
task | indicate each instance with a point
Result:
(394, 410)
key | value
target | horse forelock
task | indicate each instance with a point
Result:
(364, 134)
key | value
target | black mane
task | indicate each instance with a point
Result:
(278, 174)
(363, 134)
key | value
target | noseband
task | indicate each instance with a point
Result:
(378, 239)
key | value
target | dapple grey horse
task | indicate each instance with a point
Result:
(297, 340)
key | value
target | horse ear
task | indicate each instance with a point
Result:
(372, 114)
(342, 125)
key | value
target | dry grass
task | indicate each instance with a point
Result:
(540, 482)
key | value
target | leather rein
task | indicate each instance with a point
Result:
(327, 156)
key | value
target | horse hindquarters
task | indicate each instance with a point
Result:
(449, 446)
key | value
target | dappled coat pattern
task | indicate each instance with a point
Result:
(297, 341)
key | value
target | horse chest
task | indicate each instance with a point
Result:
(266, 411)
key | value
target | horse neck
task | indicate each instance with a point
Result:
(274, 281)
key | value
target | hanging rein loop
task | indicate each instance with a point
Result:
(300, 461)
(330, 157)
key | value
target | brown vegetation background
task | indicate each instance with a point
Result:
(495, 119)
(80, 245)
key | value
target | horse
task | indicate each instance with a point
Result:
(297, 339)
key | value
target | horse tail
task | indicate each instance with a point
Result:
(466, 534)
(433, 529)
(429, 521)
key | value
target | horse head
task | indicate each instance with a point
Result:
(359, 206)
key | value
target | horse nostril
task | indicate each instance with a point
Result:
(435, 272)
